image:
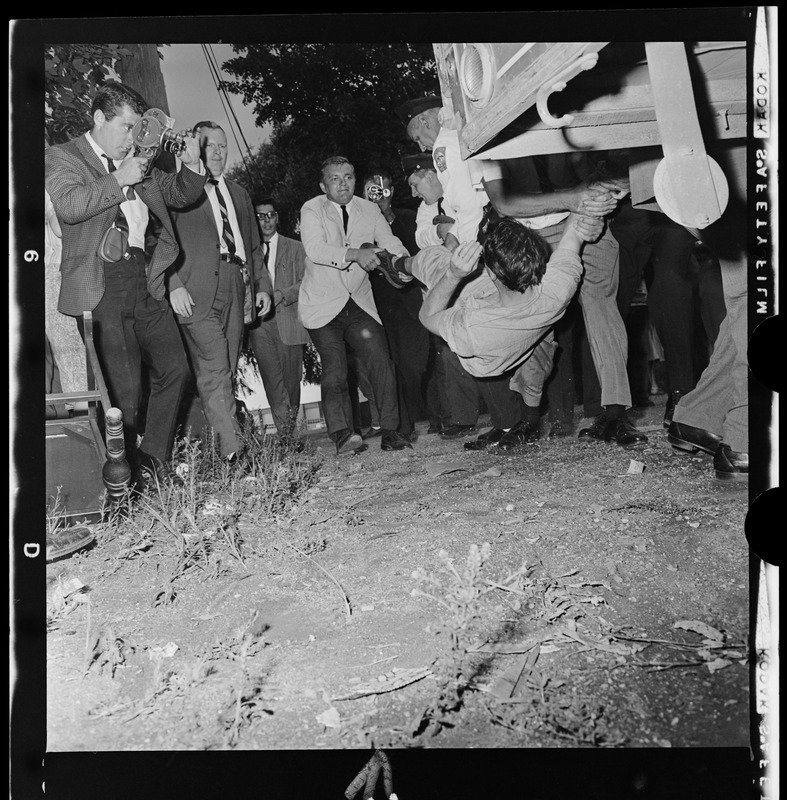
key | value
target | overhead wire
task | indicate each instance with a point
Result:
(224, 98)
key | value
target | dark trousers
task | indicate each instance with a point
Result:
(131, 328)
(281, 368)
(354, 327)
(436, 393)
(214, 345)
(561, 387)
(503, 404)
(462, 391)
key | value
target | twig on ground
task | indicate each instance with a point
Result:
(345, 596)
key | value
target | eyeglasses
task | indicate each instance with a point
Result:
(268, 215)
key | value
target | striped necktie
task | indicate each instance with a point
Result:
(229, 239)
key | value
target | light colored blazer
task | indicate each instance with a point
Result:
(288, 274)
(328, 282)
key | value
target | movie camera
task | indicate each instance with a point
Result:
(376, 191)
(152, 133)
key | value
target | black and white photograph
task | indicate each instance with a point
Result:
(410, 407)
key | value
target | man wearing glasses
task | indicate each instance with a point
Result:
(277, 339)
(219, 251)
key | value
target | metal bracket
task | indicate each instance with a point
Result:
(557, 84)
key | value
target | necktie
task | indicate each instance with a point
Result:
(440, 207)
(267, 252)
(345, 217)
(229, 239)
(129, 191)
(120, 221)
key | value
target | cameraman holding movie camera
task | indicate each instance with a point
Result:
(105, 190)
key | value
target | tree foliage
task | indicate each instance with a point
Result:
(73, 72)
(325, 99)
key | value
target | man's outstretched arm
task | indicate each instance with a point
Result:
(463, 261)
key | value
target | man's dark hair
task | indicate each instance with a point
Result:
(265, 201)
(516, 255)
(374, 173)
(112, 96)
(207, 123)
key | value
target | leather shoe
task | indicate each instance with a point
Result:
(346, 441)
(559, 429)
(153, 470)
(393, 440)
(488, 439)
(686, 437)
(433, 428)
(456, 431)
(617, 429)
(521, 433)
(66, 541)
(626, 435)
(669, 410)
(371, 433)
(730, 465)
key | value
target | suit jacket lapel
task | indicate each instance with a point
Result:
(89, 154)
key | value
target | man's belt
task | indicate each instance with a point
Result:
(233, 259)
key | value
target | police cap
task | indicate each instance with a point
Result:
(412, 108)
(420, 161)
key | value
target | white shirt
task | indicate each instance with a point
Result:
(338, 207)
(240, 251)
(273, 246)
(461, 180)
(135, 211)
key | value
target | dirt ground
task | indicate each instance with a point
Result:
(552, 597)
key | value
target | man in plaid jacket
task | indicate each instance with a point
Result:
(92, 180)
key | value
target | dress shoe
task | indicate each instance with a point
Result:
(457, 431)
(559, 429)
(730, 465)
(390, 267)
(521, 433)
(371, 433)
(488, 439)
(153, 470)
(686, 437)
(346, 441)
(66, 541)
(615, 429)
(435, 428)
(393, 440)
(626, 435)
(669, 410)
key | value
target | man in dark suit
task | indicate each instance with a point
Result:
(92, 180)
(219, 242)
(277, 339)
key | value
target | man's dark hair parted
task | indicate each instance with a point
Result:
(265, 201)
(207, 123)
(381, 172)
(112, 96)
(516, 254)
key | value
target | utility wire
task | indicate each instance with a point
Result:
(224, 97)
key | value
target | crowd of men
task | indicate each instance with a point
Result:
(474, 301)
